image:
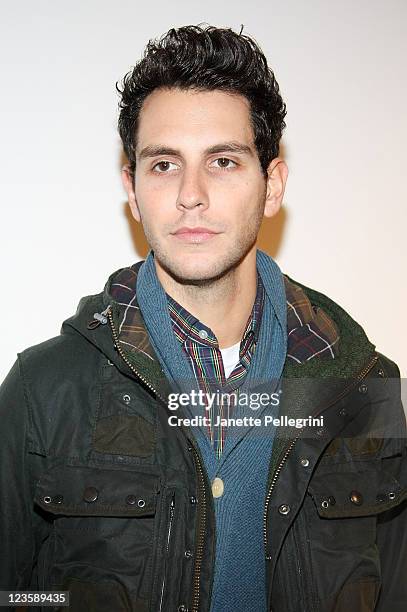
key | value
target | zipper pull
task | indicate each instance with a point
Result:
(98, 319)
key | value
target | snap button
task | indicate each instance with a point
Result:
(182, 608)
(284, 509)
(332, 500)
(90, 494)
(325, 503)
(192, 499)
(126, 398)
(217, 487)
(356, 498)
(47, 499)
(305, 462)
(141, 503)
(188, 554)
(363, 388)
(203, 334)
(131, 500)
(380, 372)
(392, 495)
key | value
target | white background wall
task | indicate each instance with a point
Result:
(65, 225)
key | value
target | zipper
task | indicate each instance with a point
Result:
(272, 484)
(201, 533)
(304, 554)
(361, 375)
(106, 315)
(167, 547)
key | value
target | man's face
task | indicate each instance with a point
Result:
(197, 169)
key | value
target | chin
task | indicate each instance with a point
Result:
(186, 271)
(194, 274)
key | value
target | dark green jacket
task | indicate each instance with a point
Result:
(101, 497)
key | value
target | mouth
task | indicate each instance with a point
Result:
(194, 235)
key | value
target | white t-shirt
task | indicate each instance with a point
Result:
(230, 358)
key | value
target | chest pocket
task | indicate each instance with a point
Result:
(90, 491)
(350, 491)
(104, 523)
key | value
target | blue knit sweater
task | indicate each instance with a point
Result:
(239, 578)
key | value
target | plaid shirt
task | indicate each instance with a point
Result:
(202, 349)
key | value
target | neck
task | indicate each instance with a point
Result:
(223, 305)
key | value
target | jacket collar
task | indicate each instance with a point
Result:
(307, 310)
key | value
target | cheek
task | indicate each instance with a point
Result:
(244, 189)
(232, 196)
(247, 203)
(154, 203)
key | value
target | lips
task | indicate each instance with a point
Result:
(194, 235)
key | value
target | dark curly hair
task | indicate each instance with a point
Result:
(204, 57)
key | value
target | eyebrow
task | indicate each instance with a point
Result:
(223, 147)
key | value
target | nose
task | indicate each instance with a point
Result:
(192, 190)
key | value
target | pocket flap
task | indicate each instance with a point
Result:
(355, 493)
(92, 491)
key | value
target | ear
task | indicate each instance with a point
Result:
(277, 173)
(128, 184)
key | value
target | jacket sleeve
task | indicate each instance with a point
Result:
(392, 524)
(16, 533)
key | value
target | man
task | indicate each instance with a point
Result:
(206, 433)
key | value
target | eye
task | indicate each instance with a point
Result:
(225, 163)
(164, 165)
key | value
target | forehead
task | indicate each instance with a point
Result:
(195, 119)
